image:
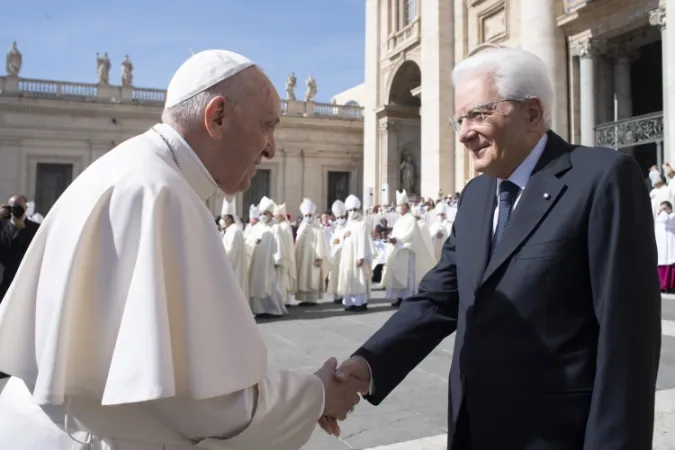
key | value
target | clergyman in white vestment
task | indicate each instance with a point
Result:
(311, 256)
(289, 265)
(335, 245)
(235, 246)
(128, 329)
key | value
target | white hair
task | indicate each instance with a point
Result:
(190, 111)
(516, 74)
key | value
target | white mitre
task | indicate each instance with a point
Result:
(253, 212)
(441, 208)
(338, 208)
(655, 176)
(229, 207)
(307, 207)
(401, 198)
(266, 205)
(202, 71)
(280, 210)
(352, 202)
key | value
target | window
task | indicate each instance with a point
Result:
(338, 186)
(50, 182)
(260, 187)
(409, 11)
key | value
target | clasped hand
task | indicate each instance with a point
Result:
(342, 386)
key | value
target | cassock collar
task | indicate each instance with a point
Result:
(190, 165)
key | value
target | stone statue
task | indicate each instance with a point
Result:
(14, 60)
(103, 68)
(291, 84)
(311, 89)
(408, 173)
(127, 72)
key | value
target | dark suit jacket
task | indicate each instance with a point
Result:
(559, 333)
(13, 245)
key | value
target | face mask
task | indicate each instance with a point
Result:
(354, 214)
(340, 220)
(222, 223)
(399, 210)
(309, 219)
(265, 219)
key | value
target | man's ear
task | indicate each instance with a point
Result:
(214, 115)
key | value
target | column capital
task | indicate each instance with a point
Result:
(657, 17)
(589, 47)
(624, 52)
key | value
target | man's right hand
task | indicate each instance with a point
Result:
(5, 212)
(341, 393)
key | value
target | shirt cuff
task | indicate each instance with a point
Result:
(371, 387)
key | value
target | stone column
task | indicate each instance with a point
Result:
(371, 98)
(438, 139)
(545, 39)
(657, 18)
(388, 158)
(623, 97)
(588, 51)
(12, 180)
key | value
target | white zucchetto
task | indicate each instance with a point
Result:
(202, 71)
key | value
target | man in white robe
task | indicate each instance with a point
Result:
(335, 243)
(440, 230)
(253, 219)
(410, 256)
(356, 269)
(311, 256)
(267, 275)
(233, 241)
(660, 193)
(286, 235)
(128, 329)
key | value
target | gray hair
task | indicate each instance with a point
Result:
(190, 112)
(516, 74)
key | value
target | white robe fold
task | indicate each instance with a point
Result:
(125, 312)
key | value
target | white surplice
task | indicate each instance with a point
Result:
(233, 240)
(439, 231)
(267, 275)
(354, 282)
(126, 321)
(310, 245)
(288, 260)
(659, 195)
(336, 241)
(408, 260)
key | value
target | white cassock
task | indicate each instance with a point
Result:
(310, 247)
(354, 281)
(253, 219)
(664, 231)
(235, 246)
(409, 259)
(267, 274)
(659, 194)
(335, 244)
(440, 230)
(286, 236)
(127, 323)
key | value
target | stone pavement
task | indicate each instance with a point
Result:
(413, 417)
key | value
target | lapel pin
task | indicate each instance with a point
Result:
(547, 195)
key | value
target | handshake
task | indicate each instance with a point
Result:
(342, 386)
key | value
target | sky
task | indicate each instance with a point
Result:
(59, 40)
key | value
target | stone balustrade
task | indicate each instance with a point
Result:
(12, 86)
(638, 130)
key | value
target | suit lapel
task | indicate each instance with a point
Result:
(542, 192)
(481, 229)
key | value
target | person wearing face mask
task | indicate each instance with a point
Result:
(286, 235)
(234, 242)
(16, 234)
(267, 276)
(356, 269)
(311, 256)
(410, 257)
(335, 243)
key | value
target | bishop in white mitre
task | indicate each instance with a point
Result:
(311, 256)
(289, 265)
(335, 244)
(660, 192)
(356, 269)
(253, 219)
(440, 229)
(125, 327)
(267, 276)
(234, 243)
(409, 256)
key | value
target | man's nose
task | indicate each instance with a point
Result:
(465, 133)
(271, 147)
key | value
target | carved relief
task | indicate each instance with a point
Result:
(588, 47)
(657, 18)
(493, 23)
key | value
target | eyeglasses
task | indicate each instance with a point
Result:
(479, 113)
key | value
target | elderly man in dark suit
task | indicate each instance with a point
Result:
(548, 278)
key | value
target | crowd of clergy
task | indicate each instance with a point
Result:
(343, 253)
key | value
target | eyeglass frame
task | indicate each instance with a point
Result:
(484, 110)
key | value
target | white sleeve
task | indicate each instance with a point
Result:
(280, 412)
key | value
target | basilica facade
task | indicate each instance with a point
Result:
(51, 130)
(608, 60)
